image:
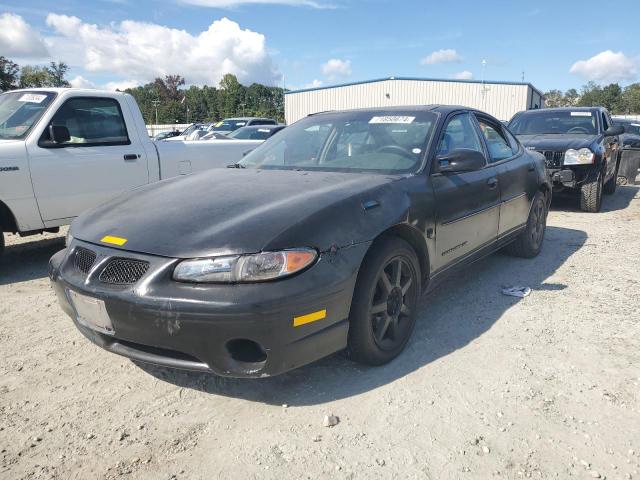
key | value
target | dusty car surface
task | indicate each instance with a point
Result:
(581, 147)
(321, 239)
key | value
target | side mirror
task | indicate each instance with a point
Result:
(615, 130)
(59, 134)
(461, 160)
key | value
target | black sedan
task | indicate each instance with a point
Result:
(257, 132)
(320, 239)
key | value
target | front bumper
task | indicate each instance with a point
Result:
(572, 176)
(214, 327)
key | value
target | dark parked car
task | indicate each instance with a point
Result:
(256, 132)
(581, 147)
(320, 239)
(229, 125)
(165, 135)
(630, 155)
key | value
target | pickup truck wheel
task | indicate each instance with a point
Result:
(591, 195)
(1, 243)
(612, 184)
(529, 242)
(383, 311)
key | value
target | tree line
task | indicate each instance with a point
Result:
(618, 100)
(13, 76)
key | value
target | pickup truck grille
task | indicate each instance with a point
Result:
(123, 271)
(553, 159)
(83, 259)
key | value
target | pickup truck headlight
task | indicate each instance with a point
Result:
(583, 156)
(259, 267)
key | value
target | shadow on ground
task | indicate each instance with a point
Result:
(28, 261)
(460, 310)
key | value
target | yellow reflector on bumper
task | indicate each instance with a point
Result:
(310, 318)
(114, 240)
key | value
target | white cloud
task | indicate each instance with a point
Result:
(236, 3)
(80, 82)
(606, 66)
(442, 56)
(144, 51)
(336, 68)
(315, 84)
(18, 39)
(123, 85)
(464, 75)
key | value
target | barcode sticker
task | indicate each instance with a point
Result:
(580, 114)
(32, 98)
(392, 119)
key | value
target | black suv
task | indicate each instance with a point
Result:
(581, 148)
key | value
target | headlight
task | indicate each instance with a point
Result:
(578, 157)
(245, 268)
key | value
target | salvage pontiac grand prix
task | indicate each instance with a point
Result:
(320, 239)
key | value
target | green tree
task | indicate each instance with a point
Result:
(34, 77)
(612, 98)
(8, 74)
(57, 73)
(554, 99)
(631, 98)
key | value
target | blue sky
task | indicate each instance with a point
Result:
(557, 44)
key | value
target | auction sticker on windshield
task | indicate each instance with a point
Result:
(32, 98)
(392, 119)
(580, 114)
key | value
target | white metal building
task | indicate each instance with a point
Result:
(500, 99)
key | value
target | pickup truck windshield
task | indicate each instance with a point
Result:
(539, 122)
(19, 111)
(365, 141)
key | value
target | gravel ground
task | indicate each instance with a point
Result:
(489, 387)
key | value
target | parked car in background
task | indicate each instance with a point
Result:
(214, 136)
(630, 155)
(229, 125)
(322, 238)
(261, 132)
(581, 147)
(63, 151)
(165, 135)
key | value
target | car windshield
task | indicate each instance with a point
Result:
(357, 141)
(553, 122)
(19, 111)
(191, 128)
(251, 133)
(229, 125)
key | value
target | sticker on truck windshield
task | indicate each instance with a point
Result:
(580, 114)
(392, 119)
(32, 98)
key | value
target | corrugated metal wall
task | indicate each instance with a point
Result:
(500, 100)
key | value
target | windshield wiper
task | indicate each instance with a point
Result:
(236, 165)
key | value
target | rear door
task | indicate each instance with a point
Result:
(467, 203)
(516, 174)
(102, 159)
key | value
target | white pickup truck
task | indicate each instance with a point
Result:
(63, 151)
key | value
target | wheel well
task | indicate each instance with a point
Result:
(413, 238)
(7, 220)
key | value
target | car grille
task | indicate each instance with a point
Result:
(83, 259)
(553, 159)
(123, 271)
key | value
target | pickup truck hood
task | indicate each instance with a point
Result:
(9, 141)
(232, 211)
(556, 143)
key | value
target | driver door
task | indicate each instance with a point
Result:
(467, 203)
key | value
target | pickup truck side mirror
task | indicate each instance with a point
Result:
(59, 134)
(460, 160)
(614, 130)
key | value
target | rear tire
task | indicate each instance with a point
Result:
(1, 244)
(385, 300)
(529, 242)
(591, 195)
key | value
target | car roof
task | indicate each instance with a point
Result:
(247, 118)
(563, 109)
(258, 127)
(444, 109)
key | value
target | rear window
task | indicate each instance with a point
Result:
(577, 122)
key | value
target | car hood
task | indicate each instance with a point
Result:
(231, 211)
(630, 140)
(556, 142)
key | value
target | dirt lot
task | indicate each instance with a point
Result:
(489, 387)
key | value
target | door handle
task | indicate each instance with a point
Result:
(492, 182)
(131, 156)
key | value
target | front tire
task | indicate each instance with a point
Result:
(610, 187)
(529, 242)
(1, 244)
(591, 194)
(383, 311)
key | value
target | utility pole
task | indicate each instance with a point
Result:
(484, 90)
(155, 104)
(242, 105)
(522, 77)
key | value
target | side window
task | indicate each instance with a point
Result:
(459, 133)
(605, 122)
(262, 122)
(515, 145)
(92, 121)
(497, 143)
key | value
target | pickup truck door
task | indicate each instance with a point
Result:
(516, 174)
(101, 159)
(467, 203)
